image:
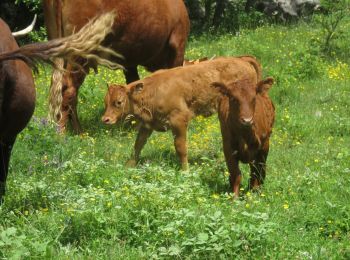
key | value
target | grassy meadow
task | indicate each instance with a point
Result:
(70, 197)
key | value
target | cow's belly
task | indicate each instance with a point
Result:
(158, 125)
(141, 48)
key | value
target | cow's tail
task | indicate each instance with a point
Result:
(86, 44)
(255, 63)
(55, 96)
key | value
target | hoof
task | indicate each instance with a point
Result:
(185, 168)
(131, 163)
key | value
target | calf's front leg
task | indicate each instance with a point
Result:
(179, 123)
(258, 170)
(231, 161)
(180, 142)
(140, 142)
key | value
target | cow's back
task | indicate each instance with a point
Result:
(189, 80)
(190, 85)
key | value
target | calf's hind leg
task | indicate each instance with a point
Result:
(140, 142)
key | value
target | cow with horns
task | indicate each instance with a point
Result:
(17, 90)
(149, 33)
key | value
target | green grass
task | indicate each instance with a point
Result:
(70, 197)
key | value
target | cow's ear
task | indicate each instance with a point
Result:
(221, 87)
(264, 85)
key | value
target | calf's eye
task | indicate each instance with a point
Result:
(118, 103)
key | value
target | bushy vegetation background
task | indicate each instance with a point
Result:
(70, 197)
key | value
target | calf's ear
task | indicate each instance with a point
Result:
(136, 88)
(139, 87)
(264, 85)
(221, 87)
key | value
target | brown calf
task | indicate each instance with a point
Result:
(246, 116)
(169, 99)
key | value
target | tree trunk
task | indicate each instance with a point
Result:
(207, 8)
(195, 9)
(249, 5)
(219, 11)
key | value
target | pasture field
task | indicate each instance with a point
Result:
(70, 197)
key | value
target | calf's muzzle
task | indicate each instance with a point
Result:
(247, 121)
(107, 120)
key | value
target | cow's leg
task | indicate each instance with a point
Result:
(140, 142)
(131, 74)
(177, 49)
(68, 109)
(5, 154)
(73, 80)
(179, 124)
(258, 170)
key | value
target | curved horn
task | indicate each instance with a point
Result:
(26, 30)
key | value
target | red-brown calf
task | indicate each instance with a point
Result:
(246, 115)
(169, 99)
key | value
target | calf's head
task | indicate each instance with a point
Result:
(242, 95)
(116, 104)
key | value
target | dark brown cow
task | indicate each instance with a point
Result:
(169, 99)
(246, 116)
(150, 33)
(26, 30)
(17, 91)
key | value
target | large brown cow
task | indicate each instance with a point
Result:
(169, 99)
(17, 91)
(246, 116)
(151, 33)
